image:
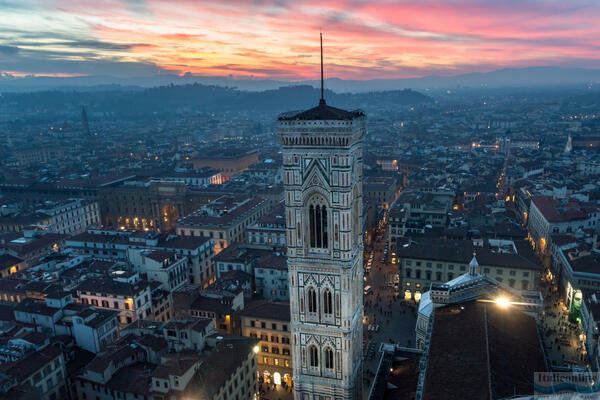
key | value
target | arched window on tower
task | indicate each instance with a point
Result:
(327, 302)
(314, 356)
(312, 300)
(328, 356)
(356, 221)
(318, 226)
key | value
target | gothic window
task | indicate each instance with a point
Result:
(356, 222)
(327, 302)
(318, 226)
(328, 355)
(312, 300)
(313, 356)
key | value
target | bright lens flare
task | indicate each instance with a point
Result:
(502, 302)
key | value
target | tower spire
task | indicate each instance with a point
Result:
(322, 101)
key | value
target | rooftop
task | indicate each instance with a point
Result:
(322, 112)
(499, 347)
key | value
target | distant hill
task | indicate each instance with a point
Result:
(197, 97)
(508, 77)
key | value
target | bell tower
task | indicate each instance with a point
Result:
(322, 168)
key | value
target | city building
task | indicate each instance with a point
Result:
(45, 370)
(114, 245)
(322, 173)
(270, 323)
(382, 190)
(163, 266)
(549, 216)
(32, 244)
(423, 261)
(125, 292)
(271, 277)
(229, 371)
(575, 268)
(224, 220)
(92, 328)
(149, 203)
(218, 305)
(10, 264)
(416, 210)
(228, 163)
(499, 343)
(66, 216)
(269, 231)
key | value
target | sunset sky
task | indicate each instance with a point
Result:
(278, 39)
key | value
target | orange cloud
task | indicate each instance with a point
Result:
(363, 39)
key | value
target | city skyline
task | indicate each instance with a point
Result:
(278, 39)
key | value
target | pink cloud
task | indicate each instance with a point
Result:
(363, 39)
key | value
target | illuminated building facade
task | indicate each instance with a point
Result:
(322, 172)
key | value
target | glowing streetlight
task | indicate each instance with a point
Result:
(255, 349)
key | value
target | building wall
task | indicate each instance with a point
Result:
(242, 384)
(275, 351)
(417, 274)
(228, 166)
(271, 283)
(130, 308)
(50, 379)
(223, 236)
(322, 163)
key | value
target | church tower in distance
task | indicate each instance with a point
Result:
(322, 172)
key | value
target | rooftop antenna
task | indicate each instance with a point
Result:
(322, 101)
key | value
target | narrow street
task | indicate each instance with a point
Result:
(394, 319)
(561, 337)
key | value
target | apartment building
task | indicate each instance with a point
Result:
(125, 292)
(422, 262)
(224, 220)
(269, 322)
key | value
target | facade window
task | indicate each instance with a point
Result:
(317, 216)
(312, 300)
(327, 302)
(328, 358)
(314, 356)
